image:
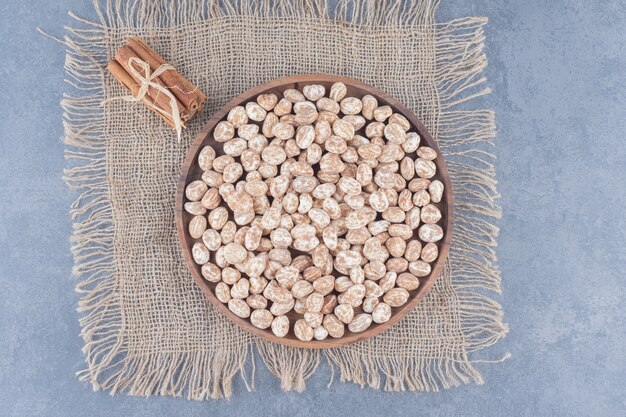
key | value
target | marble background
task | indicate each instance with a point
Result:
(557, 70)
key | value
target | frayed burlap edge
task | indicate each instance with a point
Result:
(463, 136)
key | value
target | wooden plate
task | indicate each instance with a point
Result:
(191, 171)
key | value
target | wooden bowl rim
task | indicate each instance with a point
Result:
(425, 283)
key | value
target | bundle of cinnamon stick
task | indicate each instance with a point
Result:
(130, 68)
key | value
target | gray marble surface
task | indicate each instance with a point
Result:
(557, 70)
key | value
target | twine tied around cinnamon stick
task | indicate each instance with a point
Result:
(147, 80)
(156, 83)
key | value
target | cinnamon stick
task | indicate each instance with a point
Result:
(122, 56)
(189, 100)
(124, 78)
(171, 79)
(180, 84)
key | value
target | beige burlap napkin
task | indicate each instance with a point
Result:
(147, 327)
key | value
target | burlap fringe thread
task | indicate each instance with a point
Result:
(463, 136)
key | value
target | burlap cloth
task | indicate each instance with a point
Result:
(147, 327)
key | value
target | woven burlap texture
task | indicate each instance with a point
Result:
(147, 327)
